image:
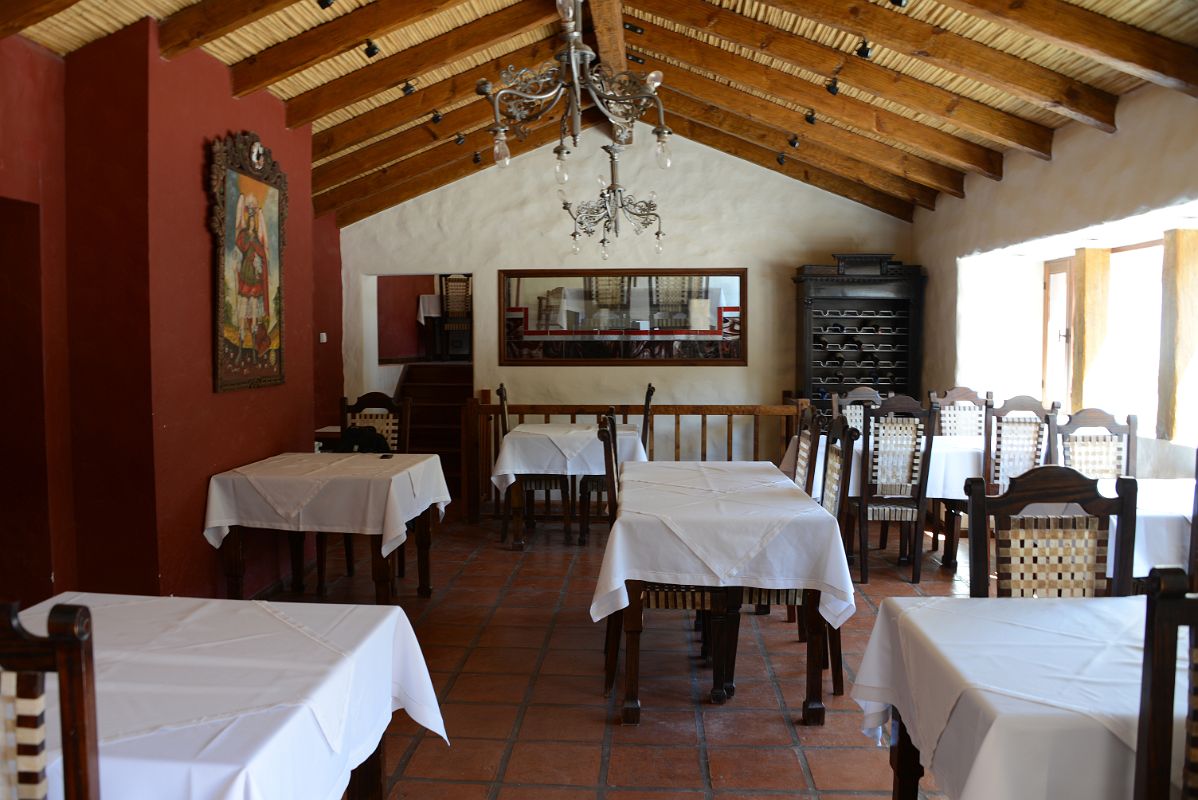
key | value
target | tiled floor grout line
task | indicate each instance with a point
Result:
(697, 668)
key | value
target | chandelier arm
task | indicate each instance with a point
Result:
(601, 99)
(553, 95)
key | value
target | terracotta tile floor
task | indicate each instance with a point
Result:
(518, 668)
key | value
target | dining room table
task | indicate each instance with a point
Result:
(558, 448)
(1011, 699)
(726, 525)
(201, 699)
(370, 494)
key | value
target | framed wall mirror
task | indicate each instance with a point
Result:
(693, 317)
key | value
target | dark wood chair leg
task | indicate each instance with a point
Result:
(296, 541)
(904, 760)
(863, 542)
(916, 547)
(837, 659)
(584, 524)
(366, 781)
(322, 563)
(884, 539)
(792, 613)
(732, 634)
(936, 527)
(567, 504)
(633, 624)
(380, 572)
(719, 646)
(611, 650)
(813, 705)
(507, 513)
(424, 539)
(347, 544)
(952, 529)
(800, 624)
(401, 560)
(703, 624)
(233, 555)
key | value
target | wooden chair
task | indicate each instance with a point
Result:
(962, 413)
(597, 484)
(457, 314)
(807, 450)
(1168, 608)
(24, 661)
(1098, 455)
(896, 444)
(1062, 554)
(852, 404)
(531, 483)
(1015, 439)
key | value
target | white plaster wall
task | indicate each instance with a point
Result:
(718, 211)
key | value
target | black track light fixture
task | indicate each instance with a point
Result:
(865, 49)
(793, 141)
(899, 3)
(810, 116)
(408, 88)
(460, 139)
(436, 117)
(371, 49)
(833, 86)
(478, 157)
(324, 4)
(781, 159)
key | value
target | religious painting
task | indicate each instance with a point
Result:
(602, 316)
(249, 216)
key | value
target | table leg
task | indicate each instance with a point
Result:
(634, 621)
(424, 536)
(719, 645)
(904, 761)
(380, 572)
(296, 540)
(233, 555)
(732, 631)
(521, 508)
(322, 561)
(366, 780)
(813, 706)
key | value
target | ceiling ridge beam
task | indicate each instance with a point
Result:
(980, 119)
(791, 167)
(421, 103)
(206, 21)
(17, 15)
(1131, 50)
(884, 156)
(940, 48)
(383, 152)
(458, 43)
(812, 153)
(331, 39)
(931, 142)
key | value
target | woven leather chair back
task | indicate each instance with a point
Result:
(1094, 444)
(1051, 556)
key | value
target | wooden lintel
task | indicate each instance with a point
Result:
(206, 21)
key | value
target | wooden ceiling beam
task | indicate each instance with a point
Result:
(811, 153)
(980, 119)
(422, 102)
(378, 154)
(940, 48)
(333, 38)
(449, 172)
(208, 20)
(930, 142)
(607, 23)
(458, 43)
(891, 159)
(1118, 45)
(17, 15)
(791, 167)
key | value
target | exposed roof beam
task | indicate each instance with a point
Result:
(977, 118)
(424, 57)
(448, 173)
(421, 103)
(936, 46)
(1118, 45)
(912, 167)
(607, 19)
(208, 20)
(17, 15)
(790, 167)
(330, 39)
(929, 141)
(812, 153)
(378, 154)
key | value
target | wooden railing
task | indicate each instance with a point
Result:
(687, 432)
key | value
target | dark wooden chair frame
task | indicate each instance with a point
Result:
(1020, 403)
(1193, 565)
(66, 650)
(809, 420)
(528, 485)
(1050, 484)
(597, 484)
(1097, 418)
(949, 528)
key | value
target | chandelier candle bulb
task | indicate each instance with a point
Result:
(662, 154)
(503, 154)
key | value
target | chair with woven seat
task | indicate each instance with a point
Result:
(1019, 436)
(597, 484)
(1168, 609)
(530, 483)
(1058, 549)
(1094, 444)
(25, 659)
(807, 448)
(853, 403)
(962, 413)
(896, 443)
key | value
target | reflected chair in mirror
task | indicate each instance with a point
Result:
(896, 444)
(457, 315)
(609, 296)
(530, 484)
(1097, 446)
(393, 421)
(597, 484)
(1168, 611)
(670, 296)
(25, 660)
(962, 413)
(1051, 528)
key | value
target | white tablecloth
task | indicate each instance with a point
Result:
(329, 492)
(429, 305)
(737, 523)
(232, 700)
(1018, 699)
(560, 449)
(954, 458)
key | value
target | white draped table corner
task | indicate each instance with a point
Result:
(560, 449)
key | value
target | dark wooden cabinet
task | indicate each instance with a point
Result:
(858, 323)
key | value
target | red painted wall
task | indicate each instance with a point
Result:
(38, 503)
(326, 300)
(398, 296)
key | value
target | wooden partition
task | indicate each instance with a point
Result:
(676, 433)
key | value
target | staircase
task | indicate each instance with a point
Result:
(438, 391)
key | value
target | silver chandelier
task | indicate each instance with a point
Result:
(623, 97)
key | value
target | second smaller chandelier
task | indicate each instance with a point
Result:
(603, 215)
